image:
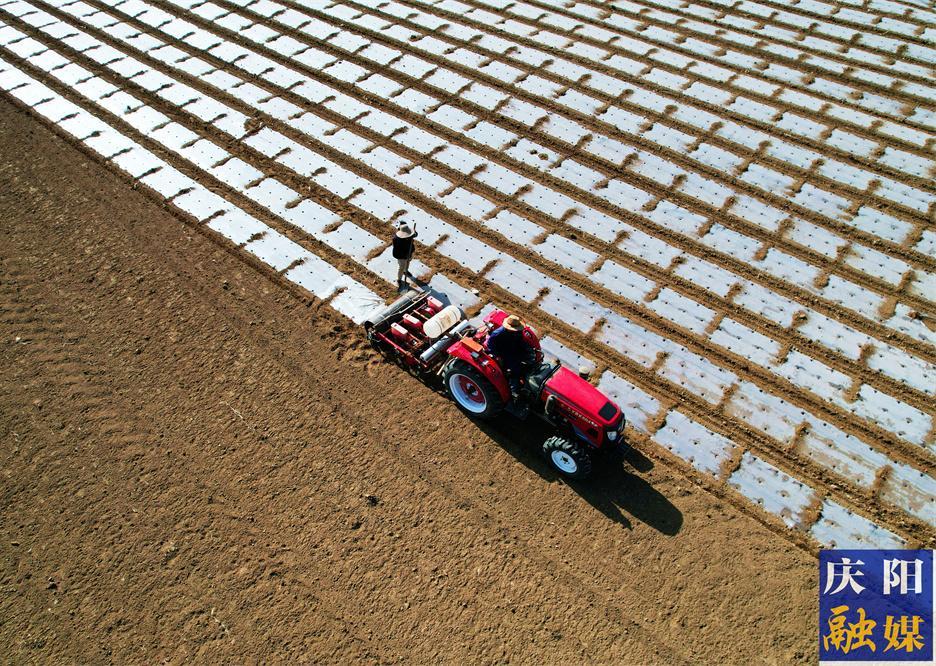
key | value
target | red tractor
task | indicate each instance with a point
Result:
(432, 340)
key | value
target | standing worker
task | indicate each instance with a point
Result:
(403, 248)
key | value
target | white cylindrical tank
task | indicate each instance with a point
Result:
(442, 321)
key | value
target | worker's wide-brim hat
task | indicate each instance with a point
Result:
(513, 323)
(405, 231)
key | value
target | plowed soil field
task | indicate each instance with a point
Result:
(723, 209)
(199, 465)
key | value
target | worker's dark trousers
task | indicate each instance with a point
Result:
(514, 374)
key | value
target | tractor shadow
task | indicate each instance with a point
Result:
(614, 487)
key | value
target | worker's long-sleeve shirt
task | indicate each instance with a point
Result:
(509, 345)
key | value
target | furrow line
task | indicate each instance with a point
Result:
(917, 215)
(569, 279)
(645, 268)
(666, 118)
(95, 405)
(660, 231)
(640, 11)
(856, 21)
(38, 99)
(614, 51)
(638, 66)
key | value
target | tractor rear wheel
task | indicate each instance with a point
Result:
(567, 457)
(474, 394)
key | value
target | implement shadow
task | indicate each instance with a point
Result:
(614, 488)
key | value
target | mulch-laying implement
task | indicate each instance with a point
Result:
(432, 340)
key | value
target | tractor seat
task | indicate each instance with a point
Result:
(539, 376)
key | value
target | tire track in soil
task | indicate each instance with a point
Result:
(280, 353)
(41, 331)
(739, 433)
(97, 412)
(652, 450)
(471, 511)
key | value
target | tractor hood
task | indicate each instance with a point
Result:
(590, 401)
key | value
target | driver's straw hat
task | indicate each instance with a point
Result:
(513, 323)
(405, 230)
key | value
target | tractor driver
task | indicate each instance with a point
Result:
(512, 350)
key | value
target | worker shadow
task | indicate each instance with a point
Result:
(615, 487)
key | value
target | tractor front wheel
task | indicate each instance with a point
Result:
(567, 457)
(471, 391)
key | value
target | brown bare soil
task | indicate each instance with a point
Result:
(200, 465)
(787, 456)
